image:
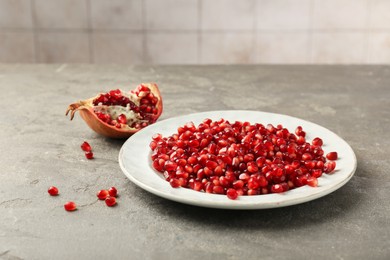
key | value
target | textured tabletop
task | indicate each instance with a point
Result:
(40, 147)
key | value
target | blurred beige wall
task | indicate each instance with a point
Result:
(195, 31)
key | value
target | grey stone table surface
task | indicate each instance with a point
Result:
(40, 147)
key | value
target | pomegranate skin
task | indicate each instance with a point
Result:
(102, 128)
(86, 110)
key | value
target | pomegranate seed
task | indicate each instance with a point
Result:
(252, 192)
(53, 191)
(102, 194)
(86, 147)
(122, 119)
(317, 141)
(307, 157)
(232, 194)
(316, 173)
(332, 156)
(70, 206)
(110, 201)
(89, 155)
(329, 166)
(312, 181)
(218, 190)
(238, 184)
(277, 188)
(174, 183)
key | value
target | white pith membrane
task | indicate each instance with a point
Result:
(116, 111)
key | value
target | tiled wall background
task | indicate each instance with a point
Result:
(195, 31)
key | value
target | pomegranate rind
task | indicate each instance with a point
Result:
(86, 110)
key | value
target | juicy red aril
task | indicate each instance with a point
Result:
(239, 158)
(70, 206)
(312, 181)
(89, 155)
(175, 183)
(102, 194)
(122, 119)
(110, 201)
(53, 191)
(331, 156)
(317, 141)
(232, 194)
(329, 166)
(113, 192)
(86, 147)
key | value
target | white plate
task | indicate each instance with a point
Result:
(135, 162)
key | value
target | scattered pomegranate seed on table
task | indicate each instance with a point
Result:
(89, 155)
(239, 158)
(70, 206)
(113, 192)
(102, 194)
(110, 201)
(86, 147)
(53, 191)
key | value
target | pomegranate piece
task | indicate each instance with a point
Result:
(102, 194)
(119, 114)
(89, 155)
(110, 201)
(86, 147)
(53, 191)
(70, 206)
(238, 159)
(332, 156)
(113, 192)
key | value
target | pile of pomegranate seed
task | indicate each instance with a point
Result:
(86, 147)
(239, 158)
(120, 105)
(109, 196)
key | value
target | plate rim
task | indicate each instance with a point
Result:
(232, 204)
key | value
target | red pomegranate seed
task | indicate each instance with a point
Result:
(110, 201)
(312, 181)
(307, 157)
(238, 184)
(277, 188)
(122, 119)
(53, 191)
(218, 190)
(89, 155)
(232, 194)
(102, 194)
(316, 173)
(174, 183)
(329, 166)
(113, 192)
(70, 206)
(332, 156)
(317, 141)
(86, 147)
